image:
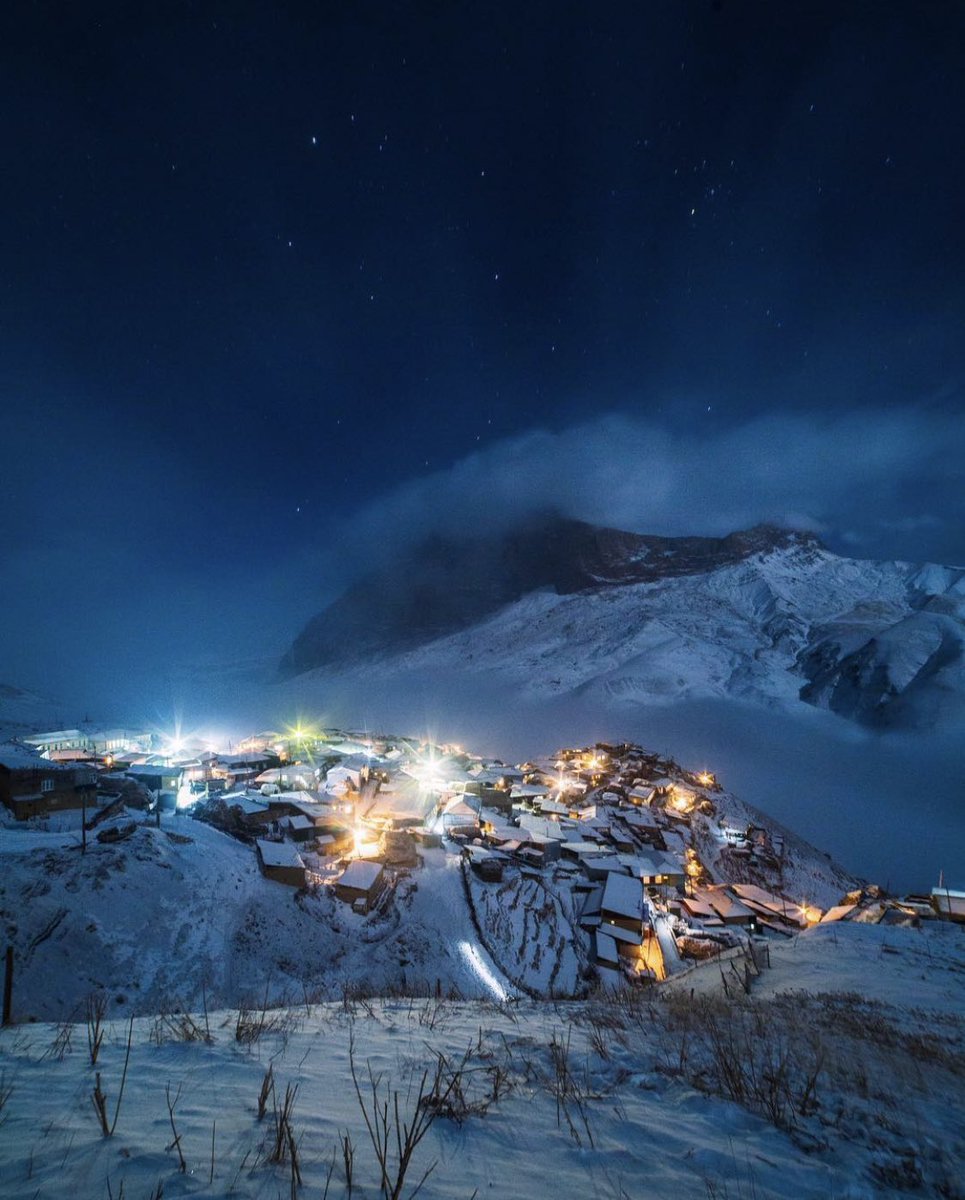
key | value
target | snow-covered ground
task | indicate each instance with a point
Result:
(595, 1099)
(152, 920)
(885, 964)
(523, 921)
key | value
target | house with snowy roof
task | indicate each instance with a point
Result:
(299, 828)
(252, 811)
(31, 786)
(726, 905)
(361, 884)
(458, 816)
(607, 954)
(622, 903)
(949, 903)
(281, 862)
(656, 867)
(58, 739)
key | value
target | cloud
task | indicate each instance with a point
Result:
(888, 478)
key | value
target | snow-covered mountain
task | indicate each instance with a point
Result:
(562, 607)
(22, 711)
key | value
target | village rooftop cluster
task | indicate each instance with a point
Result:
(642, 855)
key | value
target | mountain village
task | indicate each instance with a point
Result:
(597, 866)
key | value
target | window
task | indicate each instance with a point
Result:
(46, 785)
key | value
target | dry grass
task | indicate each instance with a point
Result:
(397, 1127)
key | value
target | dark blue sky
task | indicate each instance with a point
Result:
(264, 265)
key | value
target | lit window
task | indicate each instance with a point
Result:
(46, 785)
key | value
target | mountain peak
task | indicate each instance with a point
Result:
(446, 584)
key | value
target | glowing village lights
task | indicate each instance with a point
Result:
(428, 772)
(363, 845)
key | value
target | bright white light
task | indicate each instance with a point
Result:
(483, 973)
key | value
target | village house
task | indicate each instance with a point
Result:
(768, 906)
(281, 862)
(341, 780)
(252, 811)
(484, 863)
(162, 781)
(655, 868)
(115, 742)
(361, 884)
(644, 825)
(285, 779)
(607, 955)
(622, 904)
(599, 867)
(298, 828)
(325, 821)
(301, 802)
(545, 826)
(727, 907)
(458, 817)
(549, 849)
(58, 739)
(242, 769)
(73, 756)
(31, 786)
(948, 903)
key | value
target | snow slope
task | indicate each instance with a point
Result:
(26, 712)
(152, 919)
(878, 642)
(578, 1100)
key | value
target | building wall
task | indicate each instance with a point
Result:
(22, 791)
(292, 876)
(349, 894)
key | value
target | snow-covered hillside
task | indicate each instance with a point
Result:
(787, 1092)
(168, 915)
(25, 712)
(154, 919)
(878, 642)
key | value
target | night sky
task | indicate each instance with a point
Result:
(285, 286)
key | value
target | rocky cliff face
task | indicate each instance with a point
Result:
(446, 586)
(563, 607)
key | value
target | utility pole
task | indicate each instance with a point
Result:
(8, 986)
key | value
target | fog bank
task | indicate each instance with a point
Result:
(888, 807)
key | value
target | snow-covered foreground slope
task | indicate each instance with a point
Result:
(637, 1099)
(884, 964)
(152, 920)
(877, 642)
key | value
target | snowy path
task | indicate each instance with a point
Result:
(441, 903)
(668, 945)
